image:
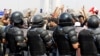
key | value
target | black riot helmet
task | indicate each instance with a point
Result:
(93, 21)
(16, 17)
(38, 20)
(65, 19)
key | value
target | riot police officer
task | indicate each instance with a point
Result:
(65, 36)
(14, 35)
(89, 39)
(38, 37)
(2, 41)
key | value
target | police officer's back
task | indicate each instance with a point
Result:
(38, 38)
(14, 34)
(65, 36)
(89, 39)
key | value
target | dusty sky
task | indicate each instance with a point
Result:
(79, 3)
(23, 4)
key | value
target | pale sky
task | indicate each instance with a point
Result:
(79, 3)
(23, 4)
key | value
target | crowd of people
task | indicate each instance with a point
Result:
(62, 33)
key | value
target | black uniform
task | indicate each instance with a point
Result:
(14, 35)
(96, 36)
(38, 38)
(89, 38)
(87, 45)
(65, 35)
(15, 39)
(2, 43)
(97, 39)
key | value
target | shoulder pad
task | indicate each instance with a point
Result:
(36, 30)
(72, 33)
(42, 32)
(68, 29)
(97, 31)
(94, 31)
(2, 31)
(51, 32)
(39, 30)
(13, 30)
(17, 33)
(59, 30)
(64, 30)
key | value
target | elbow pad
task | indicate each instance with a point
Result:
(74, 39)
(73, 36)
(46, 36)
